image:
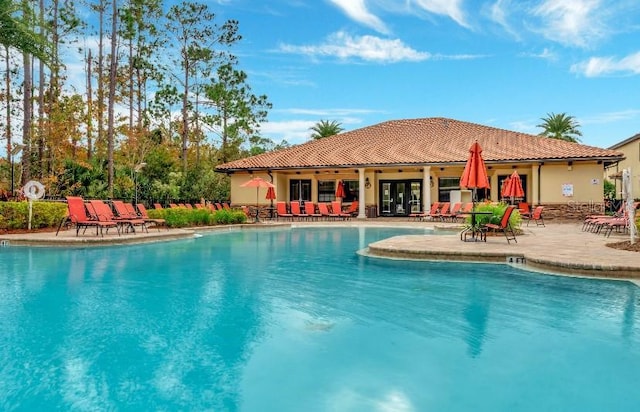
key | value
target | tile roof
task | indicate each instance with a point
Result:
(428, 141)
(625, 141)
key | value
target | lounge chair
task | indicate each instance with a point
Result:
(310, 210)
(295, 210)
(156, 221)
(444, 211)
(281, 211)
(504, 225)
(157, 206)
(323, 208)
(464, 213)
(336, 208)
(104, 213)
(79, 217)
(452, 214)
(353, 208)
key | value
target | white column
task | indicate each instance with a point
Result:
(534, 186)
(426, 189)
(361, 198)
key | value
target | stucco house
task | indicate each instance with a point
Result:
(399, 167)
(630, 148)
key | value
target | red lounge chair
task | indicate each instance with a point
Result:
(78, 216)
(464, 213)
(104, 212)
(157, 206)
(143, 213)
(336, 208)
(281, 211)
(324, 211)
(444, 211)
(424, 214)
(353, 208)
(310, 210)
(504, 225)
(453, 213)
(295, 210)
(226, 206)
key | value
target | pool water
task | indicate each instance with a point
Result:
(295, 320)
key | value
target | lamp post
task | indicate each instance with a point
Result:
(16, 149)
(137, 170)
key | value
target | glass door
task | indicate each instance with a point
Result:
(385, 198)
(400, 197)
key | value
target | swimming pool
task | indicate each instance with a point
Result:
(295, 320)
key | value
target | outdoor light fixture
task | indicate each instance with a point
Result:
(570, 166)
(367, 183)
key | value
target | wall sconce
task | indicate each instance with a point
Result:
(367, 183)
(570, 166)
(431, 181)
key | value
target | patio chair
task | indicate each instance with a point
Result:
(104, 213)
(157, 206)
(323, 208)
(295, 210)
(536, 216)
(79, 217)
(353, 208)
(430, 214)
(336, 208)
(444, 211)
(464, 213)
(524, 210)
(281, 211)
(144, 215)
(452, 214)
(504, 225)
(310, 210)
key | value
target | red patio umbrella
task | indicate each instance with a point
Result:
(475, 173)
(271, 194)
(505, 187)
(257, 182)
(340, 190)
(514, 188)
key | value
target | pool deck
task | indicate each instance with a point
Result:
(556, 248)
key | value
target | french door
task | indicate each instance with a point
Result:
(400, 197)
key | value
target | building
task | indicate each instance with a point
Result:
(631, 150)
(401, 166)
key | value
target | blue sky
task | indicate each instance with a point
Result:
(502, 63)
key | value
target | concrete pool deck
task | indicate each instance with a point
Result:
(558, 247)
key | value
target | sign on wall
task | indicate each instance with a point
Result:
(567, 189)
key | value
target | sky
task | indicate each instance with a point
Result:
(500, 63)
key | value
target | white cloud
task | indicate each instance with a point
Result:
(612, 117)
(449, 8)
(369, 48)
(571, 22)
(293, 131)
(545, 54)
(498, 12)
(357, 10)
(603, 66)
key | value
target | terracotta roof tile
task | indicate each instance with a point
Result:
(426, 141)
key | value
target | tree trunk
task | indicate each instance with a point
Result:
(27, 119)
(112, 96)
(89, 108)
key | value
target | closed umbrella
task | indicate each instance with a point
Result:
(257, 182)
(340, 190)
(271, 194)
(475, 173)
(514, 188)
(505, 187)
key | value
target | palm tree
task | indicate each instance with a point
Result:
(560, 126)
(325, 128)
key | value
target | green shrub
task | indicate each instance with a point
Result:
(179, 217)
(497, 210)
(15, 215)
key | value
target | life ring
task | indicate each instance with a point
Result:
(33, 190)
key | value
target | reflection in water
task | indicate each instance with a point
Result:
(629, 318)
(476, 314)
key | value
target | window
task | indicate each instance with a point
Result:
(300, 190)
(351, 190)
(326, 190)
(445, 186)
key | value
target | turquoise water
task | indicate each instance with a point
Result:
(295, 320)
